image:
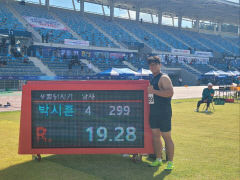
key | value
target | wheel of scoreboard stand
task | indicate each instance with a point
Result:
(136, 158)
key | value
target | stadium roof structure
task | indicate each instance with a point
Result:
(209, 10)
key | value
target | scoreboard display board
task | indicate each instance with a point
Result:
(85, 117)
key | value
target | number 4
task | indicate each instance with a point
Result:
(88, 110)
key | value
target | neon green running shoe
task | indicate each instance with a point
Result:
(156, 163)
(169, 166)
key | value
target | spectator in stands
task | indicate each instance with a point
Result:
(72, 55)
(3, 62)
(4, 40)
(65, 55)
(171, 59)
(50, 33)
(40, 52)
(76, 58)
(22, 2)
(190, 49)
(185, 61)
(15, 26)
(24, 50)
(228, 67)
(176, 59)
(58, 53)
(43, 38)
(191, 62)
(123, 58)
(207, 97)
(11, 32)
(70, 65)
(14, 51)
(4, 20)
(25, 59)
(89, 67)
(180, 81)
(1, 47)
(146, 38)
(47, 36)
(12, 40)
(167, 58)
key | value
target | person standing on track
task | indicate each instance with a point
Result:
(161, 112)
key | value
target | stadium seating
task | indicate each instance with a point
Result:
(203, 68)
(158, 31)
(3, 50)
(235, 41)
(8, 21)
(183, 35)
(61, 67)
(81, 26)
(203, 39)
(224, 65)
(106, 63)
(31, 10)
(219, 40)
(153, 35)
(138, 63)
(179, 65)
(146, 37)
(17, 67)
(112, 29)
(235, 63)
(88, 32)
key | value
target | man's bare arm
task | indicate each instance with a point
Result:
(165, 86)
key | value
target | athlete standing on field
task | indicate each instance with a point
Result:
(161, 112)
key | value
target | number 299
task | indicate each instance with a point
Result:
(119, 110)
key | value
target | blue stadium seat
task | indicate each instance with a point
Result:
(158, 31)
(8, 21)
(146, 37)
(17, 67)
(81, 26)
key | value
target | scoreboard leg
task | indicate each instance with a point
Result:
(136, 158)
(36, 157)
(39, 157)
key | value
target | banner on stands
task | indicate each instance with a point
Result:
(180, 51)
(116, 55)
(76, 42)
(45, 23)
(203, 54)
(193, 60)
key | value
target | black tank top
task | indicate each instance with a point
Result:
(158, 100)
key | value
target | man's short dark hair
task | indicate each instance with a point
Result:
(154, 59)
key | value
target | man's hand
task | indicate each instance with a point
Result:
(150, 89)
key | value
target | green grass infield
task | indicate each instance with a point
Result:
(206, 147)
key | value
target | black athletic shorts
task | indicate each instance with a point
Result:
(161, 119)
